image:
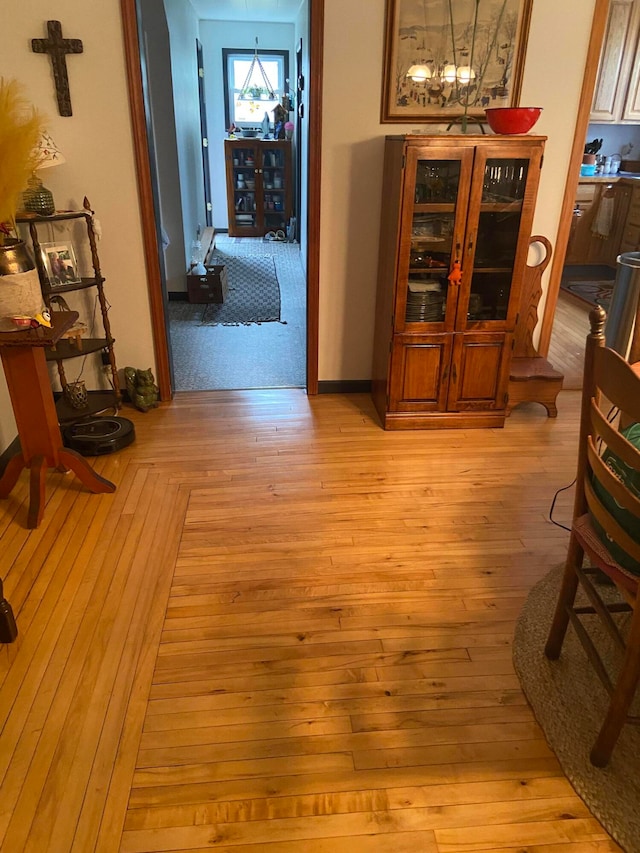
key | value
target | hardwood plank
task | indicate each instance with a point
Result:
(472, 793)
(498, 837)
(317, 783)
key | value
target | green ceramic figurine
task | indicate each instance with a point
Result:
(142, 389)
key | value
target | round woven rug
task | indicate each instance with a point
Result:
(569, 703)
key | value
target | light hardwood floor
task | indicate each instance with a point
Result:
(287, 631)
(566, 348)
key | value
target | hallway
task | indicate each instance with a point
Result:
(267, 355)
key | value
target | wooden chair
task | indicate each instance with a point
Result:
(610, 403)
(532, 379)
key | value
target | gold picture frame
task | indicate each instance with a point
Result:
(467, 55)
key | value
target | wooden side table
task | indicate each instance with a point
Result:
(25, 368)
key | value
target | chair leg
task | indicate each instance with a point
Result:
(566, 597)
(623, 694)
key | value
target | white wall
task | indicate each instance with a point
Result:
(352, 152)
(214, 35)
(163, 142)
(615, 137)
(97, 144)
(183, 32)
(553, 74)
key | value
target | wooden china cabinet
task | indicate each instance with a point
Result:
(259, 193)
(443, 339)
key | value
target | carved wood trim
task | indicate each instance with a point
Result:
(531, 293)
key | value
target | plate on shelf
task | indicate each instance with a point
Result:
(424, 286)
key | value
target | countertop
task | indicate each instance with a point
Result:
(610, 179)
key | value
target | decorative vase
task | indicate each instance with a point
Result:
(75, 393)
(20, 292)
(15, 257)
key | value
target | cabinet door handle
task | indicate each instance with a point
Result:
(454, 373)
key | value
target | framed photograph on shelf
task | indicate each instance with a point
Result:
(60, 264)
(447, 58)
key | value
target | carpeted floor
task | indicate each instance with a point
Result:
(569, 703)
(260, 354)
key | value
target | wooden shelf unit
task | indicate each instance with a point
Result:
(64, 349)
(442, 347)
(259, 186)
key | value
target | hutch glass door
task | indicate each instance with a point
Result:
(437, 233)
(493, 247)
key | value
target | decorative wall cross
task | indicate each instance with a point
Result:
(58, 48)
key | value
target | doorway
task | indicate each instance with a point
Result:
(310, 145)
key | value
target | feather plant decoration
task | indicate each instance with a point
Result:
(20, 128)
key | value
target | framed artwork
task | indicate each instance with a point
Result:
(60, 264)
(446, 58)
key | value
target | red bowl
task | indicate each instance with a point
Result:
(512, 119)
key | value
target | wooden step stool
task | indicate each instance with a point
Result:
(534, 380)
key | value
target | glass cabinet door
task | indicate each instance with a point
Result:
(436, 206)
(496, 240)
(274, 179)
(244, 186)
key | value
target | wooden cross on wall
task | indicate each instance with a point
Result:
(58, 48)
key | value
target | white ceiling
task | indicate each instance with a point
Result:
(272, 11)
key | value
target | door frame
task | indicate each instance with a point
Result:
(139, 121)
(598, 27)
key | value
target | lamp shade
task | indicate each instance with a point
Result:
(37, 198)
(419, 73)
(47, 153)
(465, 74)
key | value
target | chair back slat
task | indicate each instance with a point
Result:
(609, 524)
(617, 381)
(623, 496)
(614, 439)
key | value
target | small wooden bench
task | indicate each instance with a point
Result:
(534, 380)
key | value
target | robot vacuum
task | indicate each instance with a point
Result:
(99, 436)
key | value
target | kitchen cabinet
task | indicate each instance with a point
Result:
(630, 240)
(617, 91)
(585, 246)
(259, 195)
(443, 340)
